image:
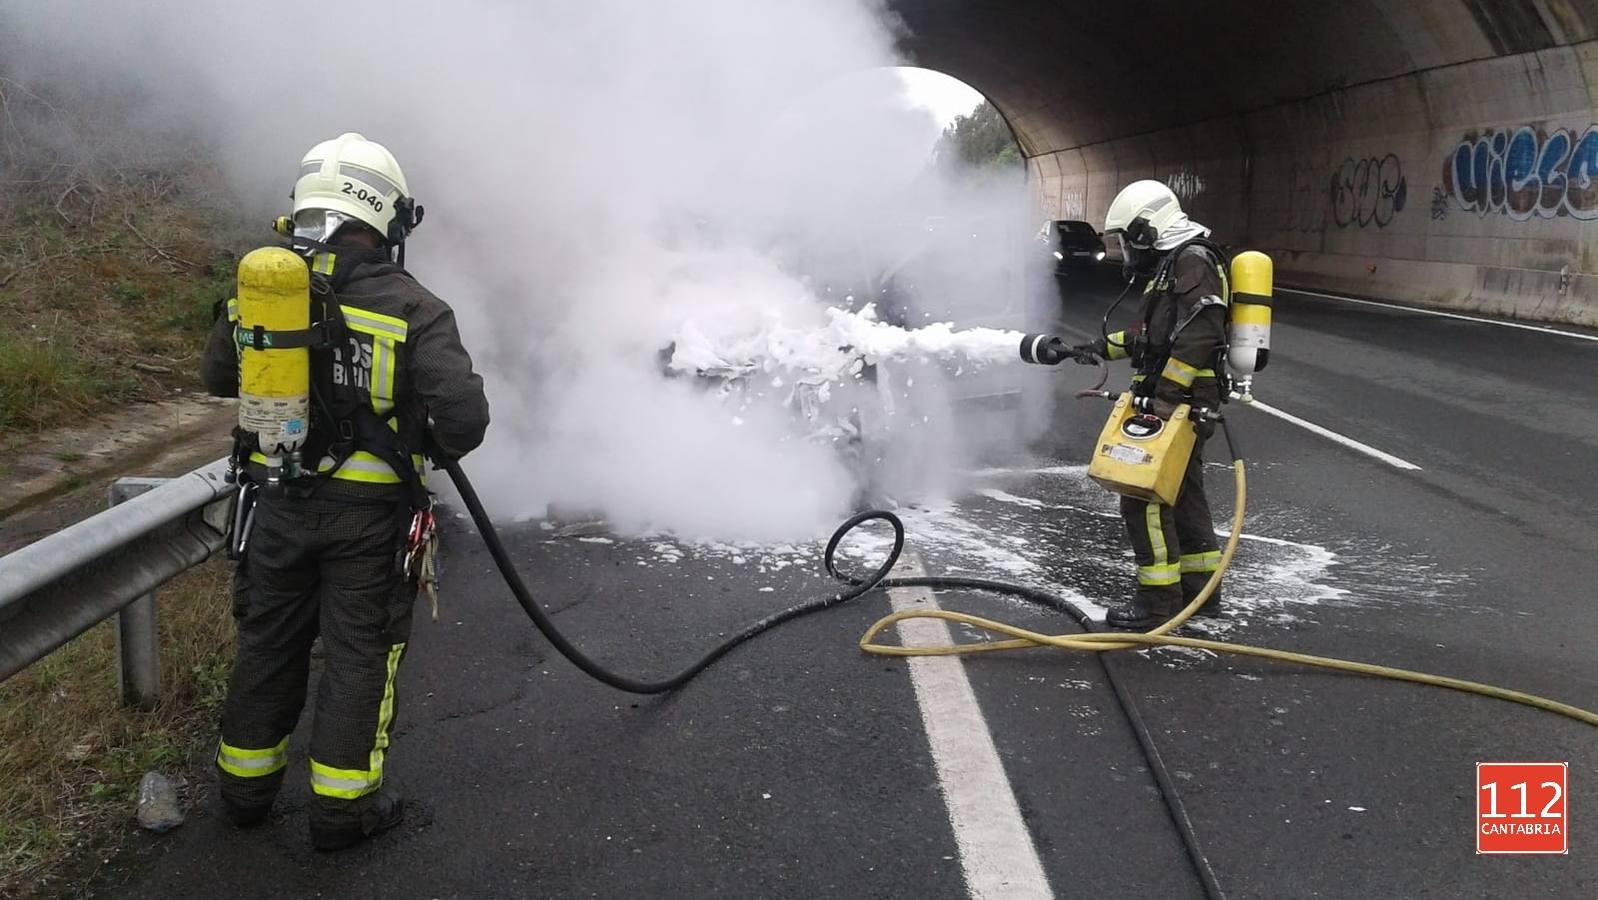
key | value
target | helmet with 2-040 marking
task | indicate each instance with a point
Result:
(350, 177)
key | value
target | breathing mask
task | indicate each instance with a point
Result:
(311, 233)
(1138, 253)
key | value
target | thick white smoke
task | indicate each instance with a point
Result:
(595, 174)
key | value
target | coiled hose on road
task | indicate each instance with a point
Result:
(1091, 640)
(496, 549)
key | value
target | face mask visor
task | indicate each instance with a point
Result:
(315, 228)
(1139, 259)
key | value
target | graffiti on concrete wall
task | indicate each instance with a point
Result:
(1185, 184)
(1304, 209)
(1525, 173)
(1071, 202)
(1368, 191)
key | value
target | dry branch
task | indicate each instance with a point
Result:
(127, 219)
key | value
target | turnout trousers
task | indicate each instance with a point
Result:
(1175, 546)
(323, 566)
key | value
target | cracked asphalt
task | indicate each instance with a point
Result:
(798, 767)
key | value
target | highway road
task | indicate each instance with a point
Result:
(1440, 519)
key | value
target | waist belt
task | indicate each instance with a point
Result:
(361, 466)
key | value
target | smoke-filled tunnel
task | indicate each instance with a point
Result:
(1440, 152)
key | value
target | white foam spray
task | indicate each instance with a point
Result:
(832, 347)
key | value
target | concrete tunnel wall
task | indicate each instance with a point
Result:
(1440, 152)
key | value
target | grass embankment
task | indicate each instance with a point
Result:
(110, 262)
(96, 312)
(72, 755)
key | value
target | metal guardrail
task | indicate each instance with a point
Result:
(56, 588)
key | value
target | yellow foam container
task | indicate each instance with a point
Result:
(1136, 460)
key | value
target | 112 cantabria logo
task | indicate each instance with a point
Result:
(1521, 808)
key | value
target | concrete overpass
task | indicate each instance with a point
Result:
(1432, 151)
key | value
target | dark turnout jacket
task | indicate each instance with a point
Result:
(1187, 298)
(404, 358)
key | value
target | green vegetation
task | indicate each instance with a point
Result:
(980, 139)
(73, 755)
(44, 381)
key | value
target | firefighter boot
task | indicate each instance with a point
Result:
(1144, 610)
(360, 819)
(246, 816)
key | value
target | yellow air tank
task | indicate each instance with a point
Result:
(274, 383)
(1249, 334)
(1141, 456)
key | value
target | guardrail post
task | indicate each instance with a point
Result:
(138, 641)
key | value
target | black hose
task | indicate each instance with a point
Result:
(856, 587)
(513, 579)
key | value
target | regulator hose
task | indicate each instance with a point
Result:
(1104, 324)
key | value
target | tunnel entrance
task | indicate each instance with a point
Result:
(1437, 152)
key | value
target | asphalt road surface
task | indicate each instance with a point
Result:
(800, 768)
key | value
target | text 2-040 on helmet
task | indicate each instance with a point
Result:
(352, 178)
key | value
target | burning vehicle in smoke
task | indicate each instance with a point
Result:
(901, 372)
(830, 397)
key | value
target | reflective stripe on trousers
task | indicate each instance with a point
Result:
(1201, 563)
(1162, 572)
(1162, 575)
(351, 784)
(247, 763)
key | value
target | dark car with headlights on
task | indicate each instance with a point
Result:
(1074, 243)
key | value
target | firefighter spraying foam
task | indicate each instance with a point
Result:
(1197, 319)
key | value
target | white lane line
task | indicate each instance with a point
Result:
(996, 850)
(1446, 315)
(1331, 435)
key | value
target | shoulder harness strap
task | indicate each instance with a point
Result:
(359, 426)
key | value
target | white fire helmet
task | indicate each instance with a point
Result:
(1141, 213)
(350, 177)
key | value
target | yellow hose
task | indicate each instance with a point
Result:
(1022, 638)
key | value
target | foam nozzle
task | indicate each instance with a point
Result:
(1044, 349)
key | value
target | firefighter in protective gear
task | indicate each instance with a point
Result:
(1176, 349)
(390, 380)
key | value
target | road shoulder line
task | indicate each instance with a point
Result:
(1443, 314)
(997, 853)
(1394, 461)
